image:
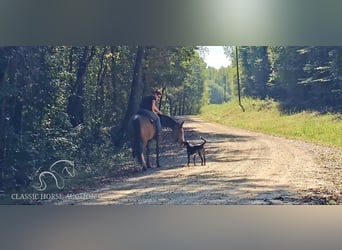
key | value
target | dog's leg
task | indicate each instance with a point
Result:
(204, 156)
(188, 159)
(200, 155)
(194, 160)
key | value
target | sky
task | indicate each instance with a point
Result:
(216, 57)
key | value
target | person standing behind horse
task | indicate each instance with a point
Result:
(148, 107)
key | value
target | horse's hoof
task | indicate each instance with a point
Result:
(144, 169)
(158, 166)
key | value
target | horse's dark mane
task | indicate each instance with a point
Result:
(167, 121)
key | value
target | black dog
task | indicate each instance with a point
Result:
(193, 150)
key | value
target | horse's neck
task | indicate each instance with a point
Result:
(168, 122)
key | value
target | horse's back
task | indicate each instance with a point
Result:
(143, 128)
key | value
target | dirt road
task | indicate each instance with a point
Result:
(242, 167)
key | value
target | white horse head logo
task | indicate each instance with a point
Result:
(59, 180)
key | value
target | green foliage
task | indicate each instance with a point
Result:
(216, 94)
(219, 82)
(266, 116)
(255, 63)
(185, 91)
(38, 84)
(299, 77)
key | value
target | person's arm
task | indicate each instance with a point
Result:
(155, 109)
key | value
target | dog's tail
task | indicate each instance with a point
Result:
(204, 141)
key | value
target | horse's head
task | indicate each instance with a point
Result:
(176, 126)
(178, 132)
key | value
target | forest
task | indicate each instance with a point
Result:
(74, 103)
(300, 78)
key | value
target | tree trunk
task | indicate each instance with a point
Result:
(100, 81)
(265, 73)
(75, 102)
(183, 104)
(117, 137)
(113, 79)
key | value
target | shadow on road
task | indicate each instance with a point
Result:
(199, 189)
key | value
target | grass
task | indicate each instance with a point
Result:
(265, 116)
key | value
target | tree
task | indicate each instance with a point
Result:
(216, 94)
(306, 77)
(132, 104)
(254, 70)
(286, 69)
(76, 100)
(320, 76)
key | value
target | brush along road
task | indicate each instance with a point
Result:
(243, 167)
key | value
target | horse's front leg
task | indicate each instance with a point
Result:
(148, 155)
(157, 151)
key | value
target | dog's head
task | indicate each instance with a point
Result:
(186, 143)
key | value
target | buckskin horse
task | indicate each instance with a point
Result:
(143, 131)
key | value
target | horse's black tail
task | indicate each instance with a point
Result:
(137, 147)
(205, 141)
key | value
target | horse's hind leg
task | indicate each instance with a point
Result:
(148, 156)
(140, 156)
(133, 143)
(141, 161)
(157, 151)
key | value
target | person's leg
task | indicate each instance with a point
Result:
(157, 122)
